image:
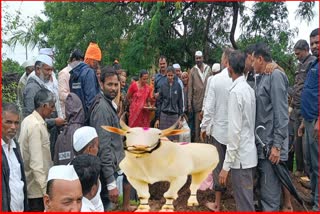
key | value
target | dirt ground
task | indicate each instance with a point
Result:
(228, 203)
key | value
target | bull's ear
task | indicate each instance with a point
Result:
(114, 130)
(173, 132)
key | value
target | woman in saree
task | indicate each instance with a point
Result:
(138, 96)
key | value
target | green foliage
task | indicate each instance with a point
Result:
(305, 11)
(9, 92)
(269, 24)
(10, 66)
(23, 31)
(137, 33)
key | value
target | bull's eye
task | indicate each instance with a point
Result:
(159, 133)
(128, 132)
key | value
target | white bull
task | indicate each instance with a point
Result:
(151, 157)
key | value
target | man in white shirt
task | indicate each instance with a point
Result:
(88, 169)
(216, 114)
(14, 188)
(63, 192)
(241, 155)
(86, 141)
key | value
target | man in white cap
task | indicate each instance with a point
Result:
(29, 67)
(36, 81)
(177, 67)
(86, 141)
(198, 77)
(53, 84)
(64, 192)
(178, 73)
(42, 74)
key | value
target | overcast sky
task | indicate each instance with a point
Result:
(31, 8)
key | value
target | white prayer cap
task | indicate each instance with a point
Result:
(46, 51)
(176, 66)
(28, 63)
(45, 59)
(198, 53)
(83, 136)
(215, 67)
(62, 172)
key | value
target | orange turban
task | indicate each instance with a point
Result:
(93, 52)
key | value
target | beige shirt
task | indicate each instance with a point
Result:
(35, 150)
(64, 88)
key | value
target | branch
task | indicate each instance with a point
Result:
(211, 42)
(182, 11)
(205, 37)
(177, 32)
(234, 24)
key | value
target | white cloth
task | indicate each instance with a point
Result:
(87, 206)
(198, 53)
(46, 51)
(209, 126)
(52, 86)
(216, 106)
(96, 200)
(45, 59)
(15, 179)
(176, 66)
(181, 84)
(241, 148)
(83, 136)
(205, 72)
(62, 172)
(28, 63)
(215, 67)
(185, 137)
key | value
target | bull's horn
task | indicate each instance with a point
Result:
(168, 130)
(123, 124)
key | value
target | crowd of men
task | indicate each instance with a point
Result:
(61, 159)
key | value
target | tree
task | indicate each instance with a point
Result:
(21, 31)
(138, 32)
(11, 66)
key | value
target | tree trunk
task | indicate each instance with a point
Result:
(26, 52)
(235, 7)
(205, 36)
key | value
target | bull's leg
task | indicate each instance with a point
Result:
(172, 193)
(142, 189)
(196, 180)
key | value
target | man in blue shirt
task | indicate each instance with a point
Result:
(310, 114)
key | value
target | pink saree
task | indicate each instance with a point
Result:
(139, 117)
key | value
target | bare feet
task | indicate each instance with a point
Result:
(212, 206)
(129, 208)
(287, 209)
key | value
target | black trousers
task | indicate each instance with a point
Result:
(36, 204)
